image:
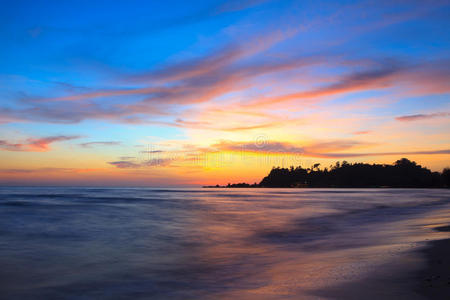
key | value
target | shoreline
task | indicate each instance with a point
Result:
(433, 280)
(423, 273)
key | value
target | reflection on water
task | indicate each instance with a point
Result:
(204, 243)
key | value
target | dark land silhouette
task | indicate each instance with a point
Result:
(401, 174)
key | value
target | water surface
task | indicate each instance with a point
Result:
(141, 243)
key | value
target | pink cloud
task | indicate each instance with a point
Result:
(371, 79)
(362, 132)
(35, 144)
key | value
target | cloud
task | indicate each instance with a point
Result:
(264, 146)
(249, 127)
(155, 95)
(179, 123)
(350, 155)
(420, 117)
(124, 164)
(16, 171)
(289, 148)
(333, 149)
(258, 146)
(251, 66)
(362, 132)
(152, 151)
(195, 74)
(221, 59)
(321, 149)
(157, 162)
(108, 143)
(35, 144)
(47, 170)
(107, 93)
(189, 82)
(127, 157)
(11, 146)
(42, 144)
(379, 77)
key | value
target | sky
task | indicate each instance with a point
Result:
(174, 93)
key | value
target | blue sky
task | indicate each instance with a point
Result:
(192, 74)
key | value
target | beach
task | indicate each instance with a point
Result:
(434, 278)
(420, 274)
(193, 243)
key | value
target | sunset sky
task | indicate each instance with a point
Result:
(167, 93)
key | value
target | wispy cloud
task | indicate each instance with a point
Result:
(127, 157)
(35, 144)
(206, 81)
(377, 78)
(156, 162)
(362, 132)
(101, 143)
(152, 151)
(154, 96)
(419, 117)
(374, 154)
(262, 146)
(47, 170)
(320, 149)
(124, 164)
(189, 82)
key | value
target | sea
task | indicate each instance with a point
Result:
(214, 243)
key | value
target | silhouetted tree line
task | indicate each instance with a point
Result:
(402, 174)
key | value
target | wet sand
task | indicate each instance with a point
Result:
(420, 274)
(434, 278)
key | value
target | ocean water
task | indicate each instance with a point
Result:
(149, 243)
